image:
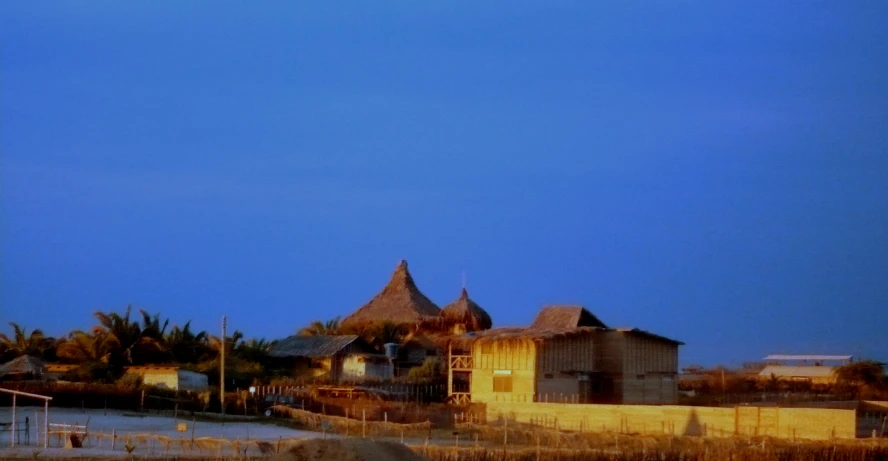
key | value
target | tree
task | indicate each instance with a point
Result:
(23, 343)
(388, 332)
(863, 373)
(253, 350)
(126, 332)
(82, 347)
(319, 328)
(151, 327)
(185, 345)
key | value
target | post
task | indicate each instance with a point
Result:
(449, 369)
(37, 427)
(46, 424)
(222, 368)
(113, 438)
(505, 431)
(193, 423)
(364, 423)
(12, 432)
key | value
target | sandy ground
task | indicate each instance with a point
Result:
(128, 423)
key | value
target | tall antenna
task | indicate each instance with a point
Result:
(464, 279)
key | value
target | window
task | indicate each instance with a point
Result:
(502, 384)
(639, 377)
(548, 376)
(486, 348)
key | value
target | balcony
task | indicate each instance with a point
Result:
(461, 363)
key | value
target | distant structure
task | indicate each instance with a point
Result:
(567, 355)
(400, 301)
(815, 369)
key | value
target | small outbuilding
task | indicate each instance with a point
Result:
(338, 358)
(169, 377)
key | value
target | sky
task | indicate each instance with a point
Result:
(713, 172)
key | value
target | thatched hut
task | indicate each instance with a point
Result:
(399, 302)
(565, 317)
(24, 367)
(464, 315)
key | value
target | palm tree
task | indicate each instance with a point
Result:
(318, 328)
(185, 345)
(82, 347)
(126, 332)
(253, 350)
(151, 327)
(388, 332)
(23, 343)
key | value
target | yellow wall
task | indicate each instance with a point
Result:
(803, 423)
(516, 357)
(160, 377)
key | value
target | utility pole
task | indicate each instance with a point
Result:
(222, 367)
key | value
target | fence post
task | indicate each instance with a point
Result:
(364, 423)
(113, 438)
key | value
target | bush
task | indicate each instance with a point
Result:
(430, 370)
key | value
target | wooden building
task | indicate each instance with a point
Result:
(336, 358)
(569, 356)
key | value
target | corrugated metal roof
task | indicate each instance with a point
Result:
(311, 346)
(807, 357)
(802, 371)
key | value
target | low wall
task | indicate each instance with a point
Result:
(802, 423)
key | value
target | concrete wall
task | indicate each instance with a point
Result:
(802, 423)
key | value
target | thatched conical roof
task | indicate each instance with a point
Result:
(399, 302)
(467, 312)
(24, 365)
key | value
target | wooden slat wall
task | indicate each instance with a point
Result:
(562, 354)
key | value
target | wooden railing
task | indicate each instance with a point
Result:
(459, 398)
(461, 362)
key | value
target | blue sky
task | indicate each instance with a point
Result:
(710, 171)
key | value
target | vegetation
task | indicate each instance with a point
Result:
(123, 339)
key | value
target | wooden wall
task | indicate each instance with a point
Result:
(650, 369)
(790, 423)
(517, 357)
(561, 354)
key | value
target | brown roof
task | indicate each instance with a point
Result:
(539, 334)
(24, 365)
(400, 302)
(533, 334)
(565, 317)
(318, 346)
(467, 312)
